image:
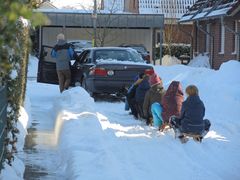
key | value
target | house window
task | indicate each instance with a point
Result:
(222, 38)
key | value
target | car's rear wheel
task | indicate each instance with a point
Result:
(84, 86)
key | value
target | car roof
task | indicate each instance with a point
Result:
(108, 48)
(132, 45)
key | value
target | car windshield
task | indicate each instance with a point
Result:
(118, 55)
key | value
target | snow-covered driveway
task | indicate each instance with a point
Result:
(99, 140)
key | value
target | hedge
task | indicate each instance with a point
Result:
(14, 51)
(174, 50)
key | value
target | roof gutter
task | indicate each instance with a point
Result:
(212, 42)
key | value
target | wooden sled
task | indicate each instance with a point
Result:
(196, 137)
(184, 137)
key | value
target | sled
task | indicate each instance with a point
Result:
(184, 137)
(196, 137)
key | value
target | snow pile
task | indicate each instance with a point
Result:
(200, 61)
(76, 99)
(32, 66)
(15, 172)
(99, 140)
(168, 60)
(102, 138)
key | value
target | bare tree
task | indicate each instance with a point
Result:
(103, 32)
(170, 24)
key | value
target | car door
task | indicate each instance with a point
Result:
(47, 67)
(81, 67)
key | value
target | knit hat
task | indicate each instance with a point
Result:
(155, 79)
(60, 36)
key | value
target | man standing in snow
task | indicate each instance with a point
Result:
(63, 53)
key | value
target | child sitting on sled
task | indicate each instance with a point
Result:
(191, 122)
(172, 102)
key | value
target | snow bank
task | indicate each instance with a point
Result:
(168, 60)
(200, 61)
(16, 171)
(100, 141)
(32, 66)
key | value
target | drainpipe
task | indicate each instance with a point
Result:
(160, 47)
(235, 33)
(212, 42)
(191, 37)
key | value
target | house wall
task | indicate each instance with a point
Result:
(131, 6)
(179, 36)
(215, 30)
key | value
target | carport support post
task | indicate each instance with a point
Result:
(95, 24)
(160, 46)
(154, 46)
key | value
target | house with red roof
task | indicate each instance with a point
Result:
(216, 29)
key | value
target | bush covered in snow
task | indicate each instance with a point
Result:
(174, 50)
(169, 61)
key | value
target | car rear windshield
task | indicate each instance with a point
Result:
(81, 44)
(139, 49)
(118, 55)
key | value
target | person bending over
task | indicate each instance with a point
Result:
(63, 53)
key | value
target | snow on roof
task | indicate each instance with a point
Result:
(73, 4)
(77, 11)
(170, 9)
(219, 12)
(209, 8)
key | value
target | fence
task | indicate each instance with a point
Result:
(3, 123)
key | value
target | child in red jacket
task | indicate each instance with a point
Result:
(172, 101)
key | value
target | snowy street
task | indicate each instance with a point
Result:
(77, 138)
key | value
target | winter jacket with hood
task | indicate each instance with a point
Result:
(63, 53)
(172, 101)
(141, 90)
(154, 94)
(192, 115)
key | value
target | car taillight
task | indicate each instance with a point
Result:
(149, 72)
(98, 72)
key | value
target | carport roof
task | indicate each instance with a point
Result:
(75, 18)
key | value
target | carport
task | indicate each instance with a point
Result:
(118, 28)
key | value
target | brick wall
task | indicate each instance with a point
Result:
(177, 35)
(215, 30)
(131, 6)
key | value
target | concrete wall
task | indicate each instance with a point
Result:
(114, 37)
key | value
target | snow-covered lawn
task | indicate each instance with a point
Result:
(99, 140)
